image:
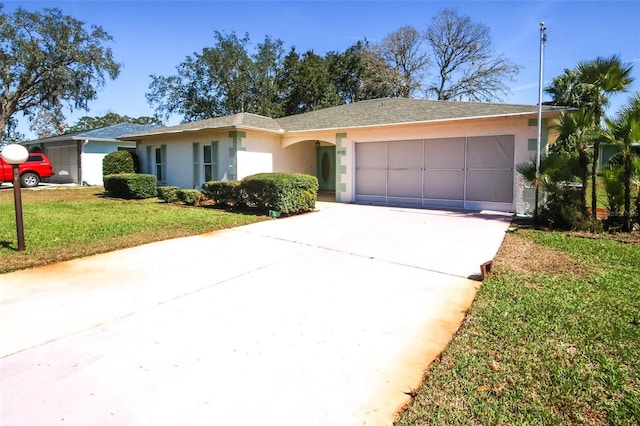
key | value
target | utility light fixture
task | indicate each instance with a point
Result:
(15, 155)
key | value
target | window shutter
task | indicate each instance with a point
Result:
(149, 163)
(196, 164)
(214, 160)
(163, 154)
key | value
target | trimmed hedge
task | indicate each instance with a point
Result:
(286, 193)
(223, 192)
(168, 194)
(117, 162)
(131, 186)
(283, 192)
(191, 197)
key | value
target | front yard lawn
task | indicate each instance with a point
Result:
(67, 222)
(553, 338)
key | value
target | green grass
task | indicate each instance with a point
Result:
(602, 201)
(62, 224)
(554, 347)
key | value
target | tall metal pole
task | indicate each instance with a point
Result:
(543, 38)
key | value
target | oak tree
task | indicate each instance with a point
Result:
(47, 60)
(466, 67)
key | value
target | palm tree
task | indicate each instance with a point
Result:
(575, 134)
(590, 85)
(564, 90)
(598, 80)
(624, 131)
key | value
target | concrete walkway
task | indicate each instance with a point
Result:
(320, 319)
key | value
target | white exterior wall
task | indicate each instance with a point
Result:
(92, 168)
(297, 158)
(179, 165)
(250, 163)
(295, 151)
(257, 152)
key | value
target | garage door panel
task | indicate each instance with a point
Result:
(444, 184)
(490, 185)
(65, 164)
(444, 153)
(474, 172)
(405, 155)
(490, 152)
(371, 182)
(372, 155)
(405, 183)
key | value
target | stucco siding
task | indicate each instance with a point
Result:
(104, 147)
(92, 168)
(242, 152)
(519, 127)
(179, 165)
(298, 158)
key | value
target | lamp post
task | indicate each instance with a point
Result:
(15, 155)
(543, 38)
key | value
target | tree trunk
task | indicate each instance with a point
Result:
(584, 171)
(594, 180)
(638, 208)
(627, 193)
(3, 127)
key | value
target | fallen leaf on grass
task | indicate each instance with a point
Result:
(500, 388)
(494, 366)
(496, 389)
(493, 354)
(412, 393)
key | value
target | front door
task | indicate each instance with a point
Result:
(326, 168)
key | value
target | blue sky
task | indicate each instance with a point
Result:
(153, 37)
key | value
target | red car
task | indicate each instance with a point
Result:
(32, 171)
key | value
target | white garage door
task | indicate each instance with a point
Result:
(470, 173)
(65, 163)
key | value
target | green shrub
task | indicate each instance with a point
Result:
(563, 210)
(191, 197)
(169, 194)
(117, 162)
(284, 192)
(224, 193)
(131, 186)
(614, 187)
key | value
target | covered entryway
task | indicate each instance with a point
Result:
(464, 172)
(326, 168)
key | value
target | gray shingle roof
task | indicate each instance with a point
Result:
(359, 114)
(112, 132)
(103, 133)
(397, 111)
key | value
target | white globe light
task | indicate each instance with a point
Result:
(15, 154)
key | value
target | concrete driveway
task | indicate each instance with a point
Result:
(320, 319)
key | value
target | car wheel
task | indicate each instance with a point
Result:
(29, 180)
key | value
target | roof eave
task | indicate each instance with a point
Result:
(139, 136)
(442, 120)
(63, 138)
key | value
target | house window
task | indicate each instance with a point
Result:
(207, 163)
(160, 163)
(210, 161)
